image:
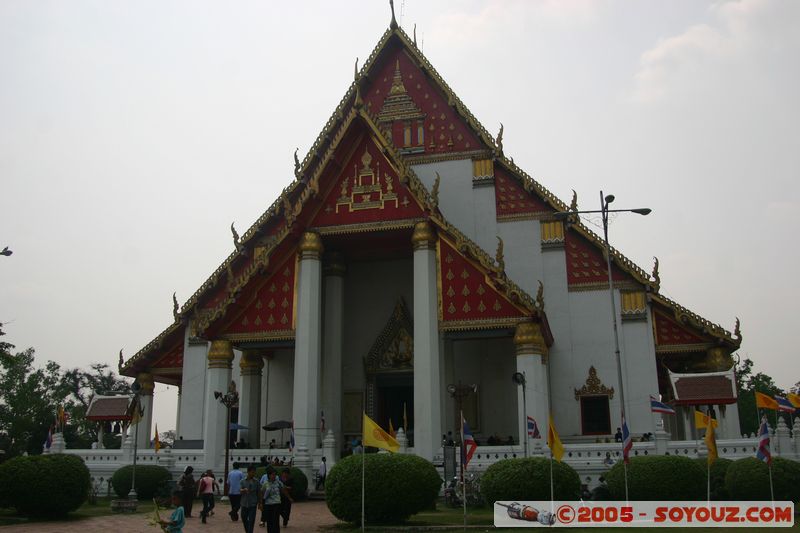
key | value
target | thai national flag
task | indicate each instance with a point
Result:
(784, 404)
(533, 429)
(659, 407)
(470, 445)
(627, 443)
(763, 442)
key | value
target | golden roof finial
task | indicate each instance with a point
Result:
(358, 102)
(499, 257)
(435, 193)
(415, 35)
(175, 313)
(121, 360)
(656, 276)
(392, 24)
(737, 331)
(573, 205)
(237, 243)
(397, 81)
(296, 163)
(355, 72)
(540, 296)
(500, 140)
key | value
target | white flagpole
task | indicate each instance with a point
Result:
(552, 492)
(463, 473)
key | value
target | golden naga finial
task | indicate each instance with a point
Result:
(357, 101)
(500, 140)
(296, 163)
(121, 360)
(540, 296)
(175, 313)
(737, 330)
(355, 71)
(415, 35)
(573, 205)
(237, 242)
(393, 24)
(435, 193)
(656, 275)
(498, 256)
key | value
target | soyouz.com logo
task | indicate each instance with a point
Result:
(643, 514)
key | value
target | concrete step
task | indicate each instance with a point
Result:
(316, 495)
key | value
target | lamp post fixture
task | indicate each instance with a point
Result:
(519, 379)
(136, 414)
(228, 399)
(605, 200)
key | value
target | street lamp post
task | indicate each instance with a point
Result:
(137, 415)
(519, 379)
(605, 200)
(228, 399)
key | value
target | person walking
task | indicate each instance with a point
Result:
(286, 500)
(186, 485)
(322, 473)
(205, 490)
(250, 501)
(271, 491)
(234, 481)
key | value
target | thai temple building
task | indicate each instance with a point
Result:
(408, 270)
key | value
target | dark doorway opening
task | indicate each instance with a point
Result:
(395, 393)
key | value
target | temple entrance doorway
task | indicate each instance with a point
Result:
(395, 395)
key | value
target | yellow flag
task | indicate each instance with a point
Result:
(794, 399)
(765, 402)
(391, 429)
(156, 442)
(553, 442)
(700, 420)
(710, 439)
(375, 436)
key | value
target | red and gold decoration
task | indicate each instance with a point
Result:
(513, 201)
(586, 266)
(671, 332)
(469, 298)
(415, 110)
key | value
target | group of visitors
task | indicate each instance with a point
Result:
(271, 494)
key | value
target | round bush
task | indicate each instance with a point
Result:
(718, 471)
(48, 486)
(297, 478)
(529, 479)
(396, 486)
(658, 477)
(150, 481)
(748, 479)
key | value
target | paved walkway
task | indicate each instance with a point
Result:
(306, 516)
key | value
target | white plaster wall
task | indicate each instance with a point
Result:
(456, 200)
(523, 254)
(637, 351)
(489, 363)
(277, 381)
(193, 388)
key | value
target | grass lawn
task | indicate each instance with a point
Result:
(101, 508)
(481, 519)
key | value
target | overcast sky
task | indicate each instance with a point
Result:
(133, 133)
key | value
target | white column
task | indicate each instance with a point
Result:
(193, 387)
(144, 435)
(308, 344)
(178, 416)
(100, 432)
(218, 378)
(334, 271)
(427, 363)
(250, 364)
(531, 361)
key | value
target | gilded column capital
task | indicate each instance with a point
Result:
(145, 381)
(528, 340)
(220, 354)
(251, 363)
(424, 237)
(334, 264)
(310, 245)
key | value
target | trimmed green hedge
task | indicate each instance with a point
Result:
(151, 480)
(748, 479)
(529, 479)
(397, 486)
(718, 471)
(658, 477)
(48, 486)
(298, 480)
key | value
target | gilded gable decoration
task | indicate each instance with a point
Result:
(633, 305)
(552, 232)
(594, 387)
(393, 350)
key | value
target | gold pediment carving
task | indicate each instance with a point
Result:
(594, 387)
(393, 350)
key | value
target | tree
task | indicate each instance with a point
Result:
(28, 400)
(747, 383)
